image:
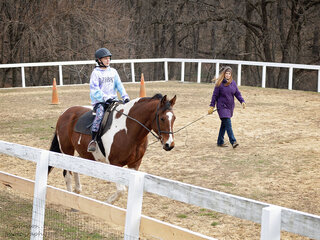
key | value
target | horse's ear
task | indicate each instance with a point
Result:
(173, 100)
(163, 99)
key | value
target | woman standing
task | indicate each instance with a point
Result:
(223, 97)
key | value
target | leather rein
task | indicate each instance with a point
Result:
(156, 117)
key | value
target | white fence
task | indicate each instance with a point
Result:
(264, 66)
(272, 218)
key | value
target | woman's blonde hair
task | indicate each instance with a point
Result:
(219, 80)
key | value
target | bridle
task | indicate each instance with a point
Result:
(156, 117)
(158, 125)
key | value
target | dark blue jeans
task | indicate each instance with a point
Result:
(226, 126)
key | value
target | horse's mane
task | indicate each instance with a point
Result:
(159, 96)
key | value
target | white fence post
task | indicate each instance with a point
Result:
(290, 78)
(271, 223)
(217, 69)
(199, 73)
(182, 71)
(319, 80)
(134, 206)
(60, 75)
(272, 219)
(23, 78)
(239, 75)
(133, 77)
(264, 71)
(39, 197)
(166, 77)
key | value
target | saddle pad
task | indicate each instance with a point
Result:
(84, 123)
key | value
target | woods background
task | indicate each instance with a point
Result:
(56, 30)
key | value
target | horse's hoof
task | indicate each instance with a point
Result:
(77, 191)
(111, 200)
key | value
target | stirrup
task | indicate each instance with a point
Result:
(92, 146)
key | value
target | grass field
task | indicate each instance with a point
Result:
(276, 162)
(60, 223)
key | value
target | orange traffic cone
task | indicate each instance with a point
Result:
(142, 87)
(55, 99)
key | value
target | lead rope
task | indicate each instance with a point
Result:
(158, 138)
(192, 122)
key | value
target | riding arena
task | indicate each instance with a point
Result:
(277, 160)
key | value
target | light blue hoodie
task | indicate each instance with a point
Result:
(104, 84)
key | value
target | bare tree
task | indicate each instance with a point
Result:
(256, 30)
(36, 31)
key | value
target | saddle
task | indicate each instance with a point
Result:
(85, 121)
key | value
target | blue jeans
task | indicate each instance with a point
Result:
(226, 126)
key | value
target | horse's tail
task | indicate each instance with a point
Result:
(54, 148)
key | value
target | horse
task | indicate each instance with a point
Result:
(124, 143)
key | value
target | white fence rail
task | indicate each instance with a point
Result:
(239, 63)
(267, 215)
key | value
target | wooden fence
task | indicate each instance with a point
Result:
(272, 218)
(165, 62)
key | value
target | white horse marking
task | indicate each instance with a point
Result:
(79, 139)
(77, 187)
(118, 124)
(99, 157)
(59, 142)
(170, 139)
(120, 191)
(67, 178)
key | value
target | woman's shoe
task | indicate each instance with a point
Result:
(235, 144)
(222, 145)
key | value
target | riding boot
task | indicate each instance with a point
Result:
(93, 144)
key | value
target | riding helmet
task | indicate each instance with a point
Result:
(102, 52)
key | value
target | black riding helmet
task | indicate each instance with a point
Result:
(100, 53)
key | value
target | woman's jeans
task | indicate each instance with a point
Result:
(226, 126)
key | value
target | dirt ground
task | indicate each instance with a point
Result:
(276, 162)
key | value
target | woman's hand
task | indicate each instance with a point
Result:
(243, 105)
(211, 110)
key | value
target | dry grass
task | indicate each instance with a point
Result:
(277, 160)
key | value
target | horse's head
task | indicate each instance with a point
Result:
(163, 125)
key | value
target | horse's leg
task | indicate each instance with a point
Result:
(66, 147)
(76, 177)
(134, 164)
(67, 179)
(115, 197)
(77, 187)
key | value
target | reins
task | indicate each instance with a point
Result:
(142, 125)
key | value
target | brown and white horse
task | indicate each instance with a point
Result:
(125, 142)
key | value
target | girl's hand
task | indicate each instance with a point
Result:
(243, 105)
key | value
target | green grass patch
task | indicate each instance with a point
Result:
(227, 184)
(214, 224)
(16, 217)
(182, 216)
(208, 213)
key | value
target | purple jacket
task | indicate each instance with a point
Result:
(223, 97)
